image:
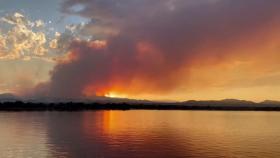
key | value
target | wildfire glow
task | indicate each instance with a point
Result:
(114, 95)
(114, 91)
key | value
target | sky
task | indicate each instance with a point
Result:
(141, 49)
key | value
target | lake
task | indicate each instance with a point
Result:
(140, 134)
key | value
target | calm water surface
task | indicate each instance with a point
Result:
(140, 134)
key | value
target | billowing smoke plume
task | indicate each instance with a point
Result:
(150, 46)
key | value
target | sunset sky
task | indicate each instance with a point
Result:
(141, 49)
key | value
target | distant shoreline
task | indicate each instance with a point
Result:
(71, 106)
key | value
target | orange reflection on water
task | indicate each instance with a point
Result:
(182, 132)
(98, 120)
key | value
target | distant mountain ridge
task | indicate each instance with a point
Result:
(224, 102)
(5, 97)
(9, 97)
(10, 102)
(272, 102)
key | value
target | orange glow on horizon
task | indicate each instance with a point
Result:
(115, 95)
(111, 92)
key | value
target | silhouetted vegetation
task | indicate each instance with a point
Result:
(189, 105)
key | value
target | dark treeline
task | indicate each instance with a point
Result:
(190, 105)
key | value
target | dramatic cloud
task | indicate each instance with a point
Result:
(21, 38)
(154, 47)
(28, 51)
(18, 40)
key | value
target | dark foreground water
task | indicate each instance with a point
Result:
(155, 134)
